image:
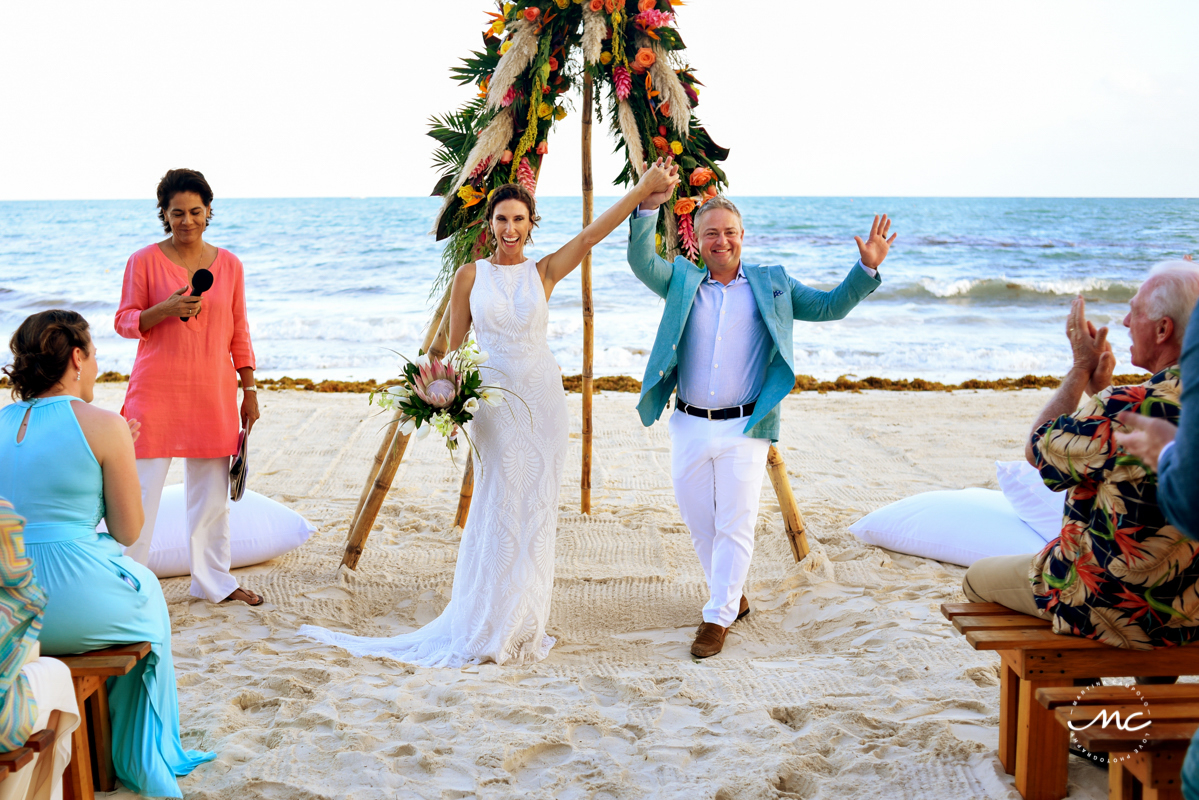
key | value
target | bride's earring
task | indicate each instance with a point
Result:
(77, 374)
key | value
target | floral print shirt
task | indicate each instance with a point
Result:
(1119, 572)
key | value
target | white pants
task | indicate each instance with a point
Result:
(206, 486)
(717, 473)
(53, 690)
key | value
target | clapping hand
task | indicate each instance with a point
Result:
(1093, 354)
(658, 181)
(1146, 436)
(877, 245)
(135, 429)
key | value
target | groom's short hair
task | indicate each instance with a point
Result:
(719, 201)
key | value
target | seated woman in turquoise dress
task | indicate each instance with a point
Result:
(66, 465)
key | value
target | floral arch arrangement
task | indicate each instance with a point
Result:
(526, 67)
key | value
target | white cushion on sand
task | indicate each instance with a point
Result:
(259, 529)
(1038, 505)
(959, 527)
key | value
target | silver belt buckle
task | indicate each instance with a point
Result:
(709, 414)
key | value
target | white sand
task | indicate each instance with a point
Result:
(844, 682)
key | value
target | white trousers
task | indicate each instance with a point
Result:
(53, 690)
(717, 473)
(206, 487)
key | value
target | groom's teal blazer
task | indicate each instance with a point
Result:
(781, 300)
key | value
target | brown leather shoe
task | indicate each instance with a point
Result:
(709, 640)
(744, 610)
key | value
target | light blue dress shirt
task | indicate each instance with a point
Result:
(723, 350)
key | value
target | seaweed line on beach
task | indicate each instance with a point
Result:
(623, 383)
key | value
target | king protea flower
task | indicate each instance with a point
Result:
(436, 384)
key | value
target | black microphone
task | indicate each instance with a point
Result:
(201, 283)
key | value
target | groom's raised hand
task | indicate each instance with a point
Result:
(652, 201)
(877, 245)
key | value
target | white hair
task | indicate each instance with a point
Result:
(1173, 293)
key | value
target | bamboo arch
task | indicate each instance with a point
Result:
(501, 136)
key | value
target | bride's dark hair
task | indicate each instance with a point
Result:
(510, 191)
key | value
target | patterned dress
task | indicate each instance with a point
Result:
(21, 604)
(1119, 572)
(505, 572)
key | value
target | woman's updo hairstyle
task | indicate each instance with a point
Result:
(42, 349)
(182, 180)
(510, 191)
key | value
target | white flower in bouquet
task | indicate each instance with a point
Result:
(493, 396)
(471, 406)
(481, 358)
(408, 426)
(423, 431)
(443, 423)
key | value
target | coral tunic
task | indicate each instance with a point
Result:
(184, 383)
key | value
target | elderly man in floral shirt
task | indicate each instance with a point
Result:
(1119, 572)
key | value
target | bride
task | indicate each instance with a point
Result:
(505, 572)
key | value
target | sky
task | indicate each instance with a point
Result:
(854, 98)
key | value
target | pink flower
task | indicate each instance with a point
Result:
(543, 147)
(622, 81)
(531, 14)
(506, 158)
(436, 384)
(654, 18)
(509, 97)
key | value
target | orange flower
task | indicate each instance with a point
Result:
(647, 5)
(596, 5)
(532, 13)
(702, 176)
(645, 58)
(684, 205)
(610, 5)
(661, 143)
(665, 108)
(710, 191)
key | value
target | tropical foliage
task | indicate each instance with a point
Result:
(534, 52)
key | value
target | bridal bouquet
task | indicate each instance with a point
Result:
(440, 396)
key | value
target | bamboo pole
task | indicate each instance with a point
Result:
(467, 491)
(377, 487)
(588, 307)
(792, 520)
(390, 431)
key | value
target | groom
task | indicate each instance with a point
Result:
(725, 342)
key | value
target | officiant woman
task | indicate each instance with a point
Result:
(183, 389)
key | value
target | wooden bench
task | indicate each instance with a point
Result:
(1032, 745)
(39, 742)
(1150, 759)
(91, 754)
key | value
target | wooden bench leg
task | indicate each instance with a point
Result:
(77, 782)
(1042, 746)
(1009, 715)
(43, 772)
(1121, 783)
(102, 738)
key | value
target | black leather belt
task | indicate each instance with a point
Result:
(716, 413)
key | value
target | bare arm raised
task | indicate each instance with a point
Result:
(658, 180)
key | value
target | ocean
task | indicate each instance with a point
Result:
(973, 288)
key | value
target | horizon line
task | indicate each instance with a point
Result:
(574, 196)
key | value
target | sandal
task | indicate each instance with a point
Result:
(246, 598)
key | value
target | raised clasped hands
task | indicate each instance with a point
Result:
(658, 181)
(1093, 354)
(877, 245)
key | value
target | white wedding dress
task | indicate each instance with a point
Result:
(505, 573)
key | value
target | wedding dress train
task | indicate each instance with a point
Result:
(505, 572)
